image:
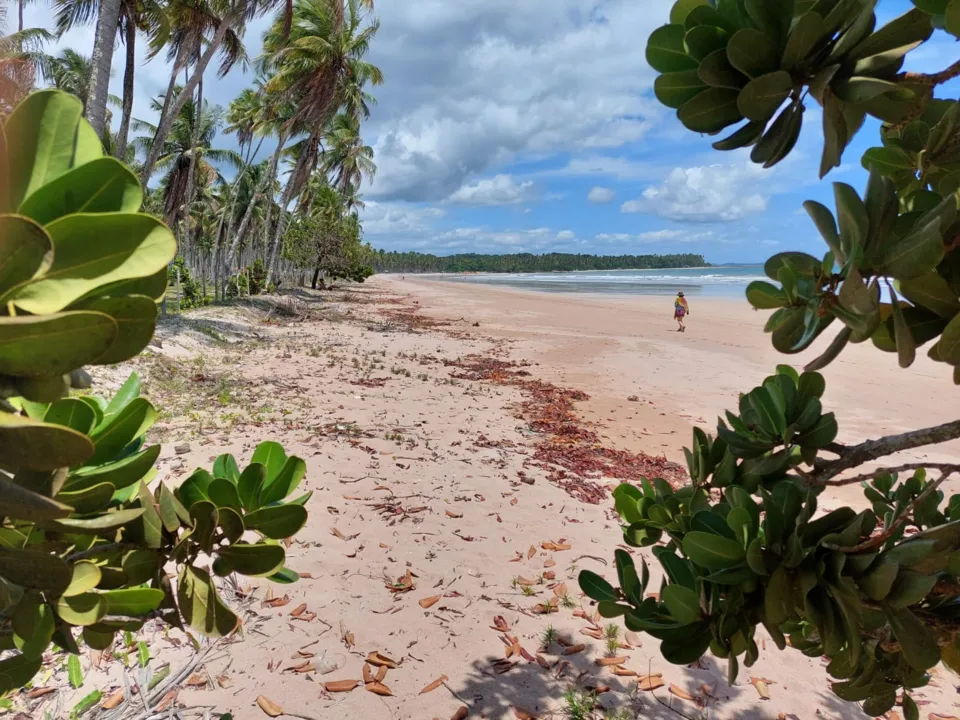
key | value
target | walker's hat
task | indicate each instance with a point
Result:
(680, 294)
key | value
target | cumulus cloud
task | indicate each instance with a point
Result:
(498, 190)
(709, 193)
(477, 83)
(656, 236)
(566, 235)
(601, 195)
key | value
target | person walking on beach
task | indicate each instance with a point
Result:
(680, 310)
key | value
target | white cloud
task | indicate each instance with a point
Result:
(498, 190)
(656, 236)
(566, 235)
(477, 83)
(709, 193)
(398, 220)
(601, 195)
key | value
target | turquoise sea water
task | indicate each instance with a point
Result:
(721, 281)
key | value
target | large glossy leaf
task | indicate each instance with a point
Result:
(710, 111)
(285, 481)
(105, 523)
(223, 494)
(753, 53)
(195, 488)
(701, 40)
(277, 522)
(19, 503)
(72, 413)
(912, 27)
(82, 609)
(948, 348)
(764, 296)
(86, 576)
(596, 588)
(712, 552)
(120, 474)
(917, 642)
(127, 392)
(682, 9)
(103, 185)
(35, 569)
(53, 344)
(761, 97)
(136, 319)
(255, 560)
(35, 445)
(133, 602)
(666, 52)
(806, 34)
(249, 485)
(674, 89)
(916, 254)
(225, 466)
(272, 456)
(33, 625)
(25, 250)
(200, 605)
(16, 671)
(46, 136)
(122, 429)
(92, 250)
(88, 500)
(682, 602)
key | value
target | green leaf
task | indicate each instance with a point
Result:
(761, 97)
(676, 88)
(34, 569)
(143, 654)
(79, 338)
(906, 347)
(852, 218)
(682, 8)
(952, 18)
(33, 445)
(710, 111)
(88, 500)
(272, 456)
(71, 413)
(136, 318)
(124, 396)
(836, 135)
(46, 137)
(121, 429)
(19, 503)
(807, 32)
(231, 523)
(139, 566)
(225, 466)
(877, 583)
(133, 602)
(284, 482)
(86, 576)
(916, 254)
(666, 52)
(82, 610)
(92, 250)
(96, 525)
(716, 71)
(120, 474)
(33, 625)
(200, 605)
(277, 522)
(712, 552)
(859, 90)
(25, 250)
(918, 644)
(103, 185)
(888, 161)
(912, 27)
(74, 673)
(256, 560)
(249, 484)
(743, 137)
(826, 225)
(682, 602)
(223, 494)
(949, 346)
(195, 488)
(753, 53)
(17, 671)
(284, 576)
(596, 588)
(205, 519)
(781, 137)
(910, 588)
(701, 40)
(150, 523)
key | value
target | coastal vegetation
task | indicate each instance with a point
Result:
(877, 591)
(414, 262)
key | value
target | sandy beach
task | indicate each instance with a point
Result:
(440, 534)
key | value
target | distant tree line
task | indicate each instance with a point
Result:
(413, 262)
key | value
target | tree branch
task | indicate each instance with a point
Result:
(855, 455)
(937, 78)
(943, 467)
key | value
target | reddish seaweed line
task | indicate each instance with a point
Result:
(571, 453)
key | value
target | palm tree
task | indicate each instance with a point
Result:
(21, 60)
(146, 16)
(346, 158)
(70, 71)
(315, 65)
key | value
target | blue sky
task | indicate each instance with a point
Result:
(531, 126)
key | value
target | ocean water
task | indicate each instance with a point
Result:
(720, 281)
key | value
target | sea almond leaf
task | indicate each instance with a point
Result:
(649, 683)
(269, 707)
(434, 685)
(338, 686)
(375, 658)
(574, 649)
(680, 692)
(461, 713)
(113, 700)
(531, 552)
(761, 685)
(453, 514)
(299, 610)
(379, 689)
(608, 661)
(381, 674)
(429, 602)
(367, 675)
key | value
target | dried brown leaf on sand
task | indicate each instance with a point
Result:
(531, 552)
(522, 714)
(434, 685)
(196, 680)
(338, 686)
(560, 590)
(299, 610)
(454, 514)
(624, 672)
(113, 699)
(549, 563)
(276, 602)
(403, 584)
(224, 682)
(429, 602)
(608, 661)
(761, 684)
(269, 707)
(381, 674)
(650, 683)
(679, 692)
(167, 700)
(379, 688)
(347, 637)
(935, 716)
(375, 658)
(574, 649)
(461, 713)
(500, 624)
(367, 675)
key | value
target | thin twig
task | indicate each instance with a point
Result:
(943, 467)
(878, 540)
(454, 693)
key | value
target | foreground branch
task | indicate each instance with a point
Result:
(943, 467)
(852, 456)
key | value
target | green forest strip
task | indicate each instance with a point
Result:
(412, 262)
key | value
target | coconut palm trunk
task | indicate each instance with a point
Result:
(173, 109)
(192, 172)
(130, 41)
(102, 60)
(265, 182)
